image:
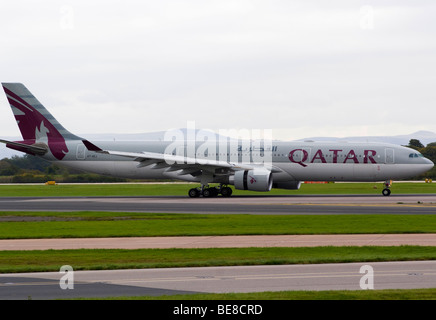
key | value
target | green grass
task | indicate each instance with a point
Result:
(182, 189)
(109, 259)
(15, 225)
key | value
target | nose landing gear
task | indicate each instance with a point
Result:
(387, 191)
(208, 192)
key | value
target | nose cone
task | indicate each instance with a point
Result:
(429, 164)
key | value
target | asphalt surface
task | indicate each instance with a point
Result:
(155, 282)
(362, 204)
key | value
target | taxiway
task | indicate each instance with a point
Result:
(154, 282)
(322, 204)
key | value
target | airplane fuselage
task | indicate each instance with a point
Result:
(296, 161)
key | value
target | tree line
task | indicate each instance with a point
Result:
(31, 169)
(28, 168)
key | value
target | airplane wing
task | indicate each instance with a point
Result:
(175, 162)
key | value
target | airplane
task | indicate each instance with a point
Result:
(257, 165)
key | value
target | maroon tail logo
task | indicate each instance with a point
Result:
(35, 127)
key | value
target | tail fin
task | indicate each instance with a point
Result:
(36, 124)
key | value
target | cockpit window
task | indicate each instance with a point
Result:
(415, 155)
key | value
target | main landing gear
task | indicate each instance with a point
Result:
(387, 191)
(208, 192)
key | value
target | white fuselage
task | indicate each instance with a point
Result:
(289, 161)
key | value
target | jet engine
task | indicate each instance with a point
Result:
(256, 180)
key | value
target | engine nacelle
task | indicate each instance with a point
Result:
(256, 180)
(288, 185)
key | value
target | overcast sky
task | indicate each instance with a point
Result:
(302, 68)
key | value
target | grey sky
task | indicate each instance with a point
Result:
(302, 68)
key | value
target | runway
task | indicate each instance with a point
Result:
(360, 204)
(154, 282)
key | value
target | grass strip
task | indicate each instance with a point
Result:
(16, 225)
(110, 259)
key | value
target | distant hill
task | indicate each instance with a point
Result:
(424, 136)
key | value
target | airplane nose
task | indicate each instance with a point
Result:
(429, 163)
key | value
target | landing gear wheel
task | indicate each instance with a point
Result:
(226, 192)
(194, 193)
(386, 192)
(215, 192)
(208, 192)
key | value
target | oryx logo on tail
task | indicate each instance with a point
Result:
(37, 125)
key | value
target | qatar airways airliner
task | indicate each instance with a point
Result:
(257, 165)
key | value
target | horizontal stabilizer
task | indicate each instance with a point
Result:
(36, 148)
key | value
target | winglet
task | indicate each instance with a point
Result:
(91, 147)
